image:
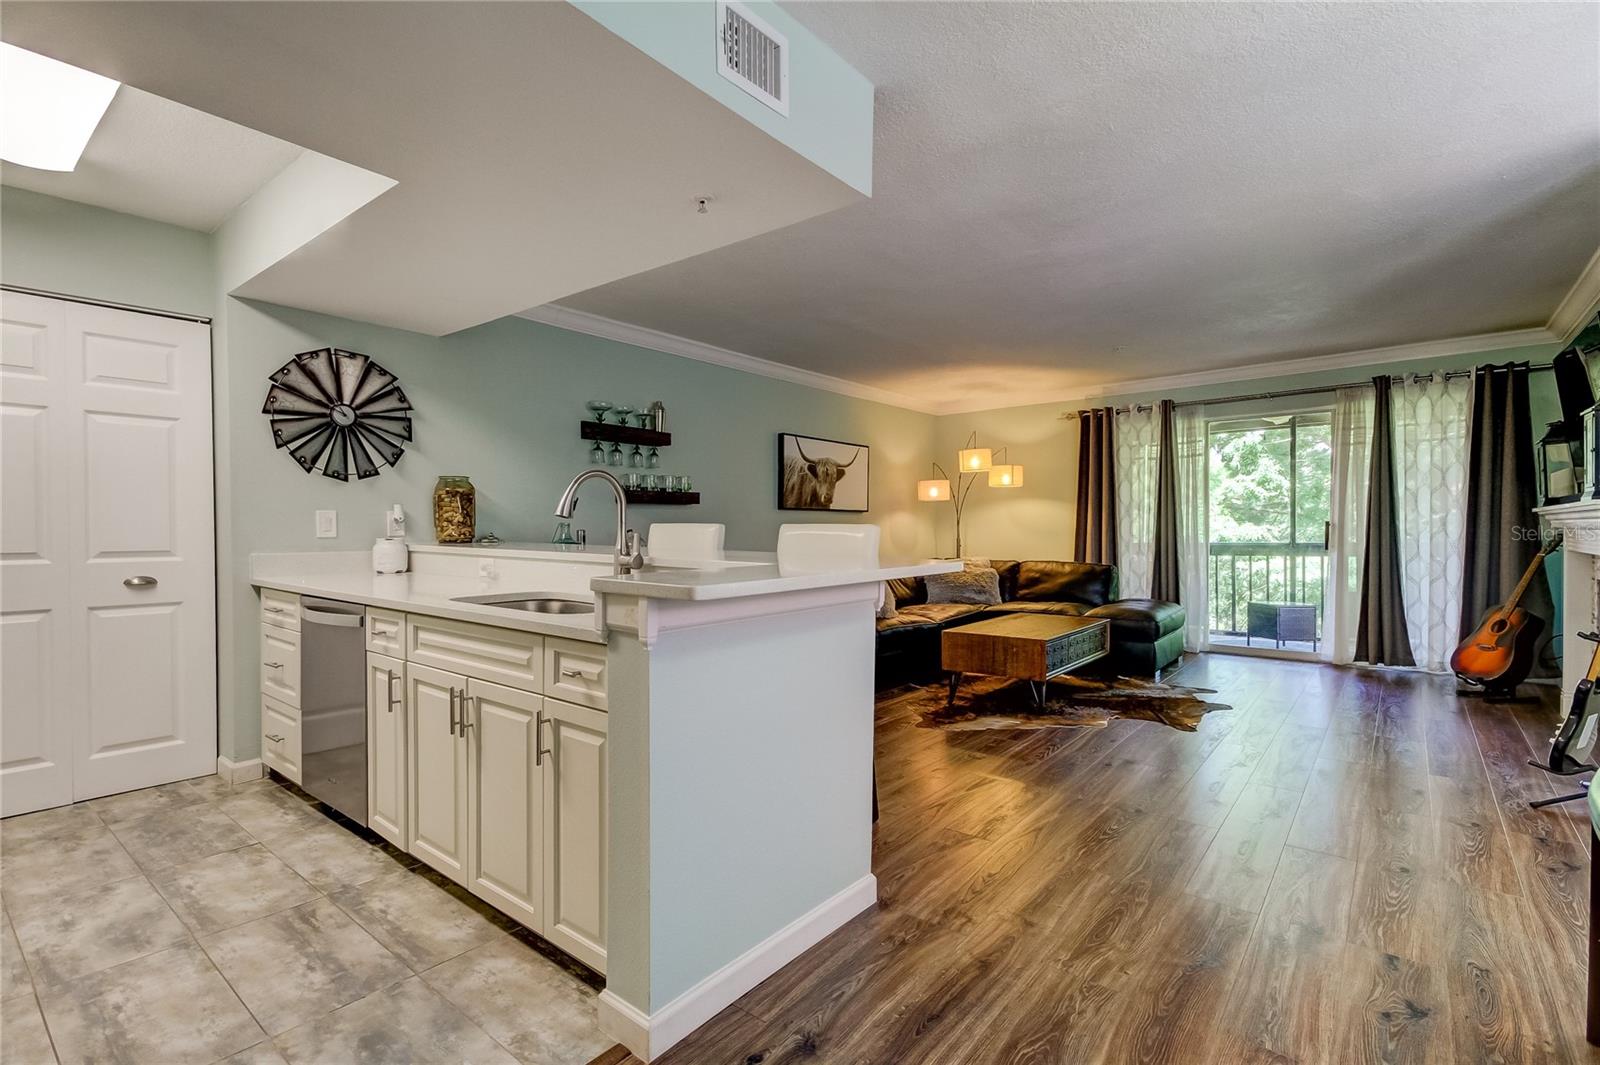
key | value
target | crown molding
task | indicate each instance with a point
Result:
(1346, 360)
(1579, 304)
(671, 344)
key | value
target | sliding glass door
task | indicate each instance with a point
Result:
(1269, 480)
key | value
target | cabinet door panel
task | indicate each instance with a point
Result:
(437, 777)
(507, 801)
(576, 831)
(386, 748)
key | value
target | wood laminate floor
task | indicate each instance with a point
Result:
(1342, 868)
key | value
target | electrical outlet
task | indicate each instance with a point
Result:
(327, 524)
(486, 568)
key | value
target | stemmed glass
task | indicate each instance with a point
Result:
(622, 414)
(654, 461)
(636, 457)
(598, 408)
(597, 454)
(643, 419)
(616, 454)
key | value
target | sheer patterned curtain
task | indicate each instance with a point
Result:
(1347, 509)
(1136, 500)
(1194, 545)
(1430, 446)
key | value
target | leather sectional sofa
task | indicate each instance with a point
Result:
(1146, 634)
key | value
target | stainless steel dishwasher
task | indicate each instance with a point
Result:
(333, 704)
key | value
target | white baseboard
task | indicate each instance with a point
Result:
(648, 1037)
(239, 772)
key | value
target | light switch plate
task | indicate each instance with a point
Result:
(327, 524)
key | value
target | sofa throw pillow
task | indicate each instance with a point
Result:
(978, 585)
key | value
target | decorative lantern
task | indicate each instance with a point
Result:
(1559, 465)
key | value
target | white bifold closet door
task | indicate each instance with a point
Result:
(107, 556)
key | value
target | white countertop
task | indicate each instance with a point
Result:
(431, 594)
(347, 575)
(748, 580)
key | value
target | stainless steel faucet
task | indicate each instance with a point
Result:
(629, 557)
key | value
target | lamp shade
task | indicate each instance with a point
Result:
(975, 459)
(1005, 476)
(936, 491)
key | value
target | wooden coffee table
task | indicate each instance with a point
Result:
(1031, 647)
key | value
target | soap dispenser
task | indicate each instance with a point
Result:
(389, 553)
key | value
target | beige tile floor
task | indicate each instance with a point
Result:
(201, 922)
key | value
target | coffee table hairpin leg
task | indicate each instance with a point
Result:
(955, 682)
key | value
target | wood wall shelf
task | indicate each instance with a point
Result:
(658, 497)
(625, 434)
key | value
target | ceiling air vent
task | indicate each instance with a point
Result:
(753, 55)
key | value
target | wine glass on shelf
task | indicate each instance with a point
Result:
(598, 408)
(597, 454)
(643, 419)
(622, 414)
(636, 458)
(616, 454)
(653, 461)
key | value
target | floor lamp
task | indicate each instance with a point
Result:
(971, 461)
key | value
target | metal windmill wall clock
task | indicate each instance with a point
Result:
(339, 412)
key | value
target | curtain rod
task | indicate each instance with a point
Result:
(1285, 393)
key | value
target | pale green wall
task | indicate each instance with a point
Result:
(830, 108)
(500, 402)
(66, 247)
(1036, 520)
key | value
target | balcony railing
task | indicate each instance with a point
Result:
(1269, 573)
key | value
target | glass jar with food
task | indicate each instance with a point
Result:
(455, 509)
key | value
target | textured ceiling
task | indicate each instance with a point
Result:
(158, 159)
(1068, 195)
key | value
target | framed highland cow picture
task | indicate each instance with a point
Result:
(819, 474)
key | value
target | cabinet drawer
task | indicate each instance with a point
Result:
(280, 738)
(575, 671)
(386, 632)
(281, 609)
(280, 664)
(505, 656)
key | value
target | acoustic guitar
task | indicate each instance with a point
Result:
(1498, 655)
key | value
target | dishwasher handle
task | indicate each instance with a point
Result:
(342, 615)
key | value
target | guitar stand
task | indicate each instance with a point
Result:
(1495, 696)
(1574, 797)
(1570, 767)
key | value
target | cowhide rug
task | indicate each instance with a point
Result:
(1070, 702)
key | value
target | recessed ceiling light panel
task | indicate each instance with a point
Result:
(48, 109)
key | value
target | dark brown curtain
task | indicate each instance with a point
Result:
(1164, 566)
(1502, 532)
(1381, 637)
(1096, 534)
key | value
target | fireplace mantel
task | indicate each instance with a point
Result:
(1579, 525)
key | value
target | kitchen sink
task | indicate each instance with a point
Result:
(533, 602)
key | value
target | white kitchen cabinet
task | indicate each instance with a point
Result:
(280, 664)
(503, 656)
(575, 831)
(280, 738)
(386, 748)
(436, 770)
(386, 632)
(507, 773)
